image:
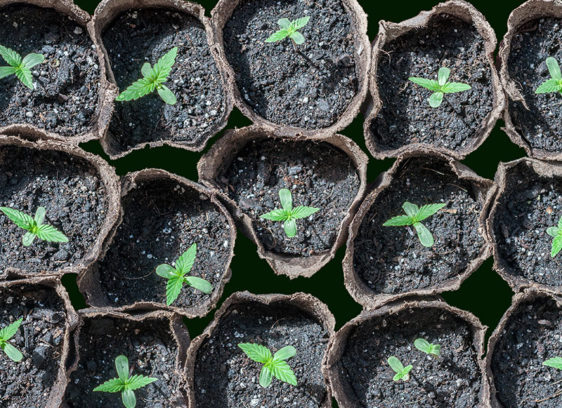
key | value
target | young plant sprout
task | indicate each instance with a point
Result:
(273, 365)
(18, 66)
(34, 226)
(153, 80)
(6, 334)
(555, 362)
(414, 217)
(288, 214)
(125, 383)
(556, 233)
(440, 87)
(402, 373)
(177, 276)
(289, 29)
(428, 348)
(554, 84)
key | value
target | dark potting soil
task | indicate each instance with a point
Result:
(391, 259)
(39, 338)
(406, 116)
(145, 35)
(525, 211)
(73, 194)
(318, 175)
(541, 123)
(151, 350)
(532, 336)
(307, 86)
(162, 219)
(67, 83)
(453, 380)
(225, 377)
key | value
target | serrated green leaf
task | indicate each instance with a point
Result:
(167, 95)
(9, 331)
(425, 237)
(256, 352)
(275, 215)
(122, 367)
(410, 209)
(113, 385)
(10, 56)
(428, 210)
(556, 246)
(138, 381)
(164, 65)
(549, 86)
(278, 36)
(443, 75)
(28, 239)
(128, 398)
(186, 260)
(137, 90)
(284, 23)
(300, 22)
(290, 227)
(166, 271)
(297, 37)
(31, 60)
(435, 99)
(19, 218)
(50, 234)
(173, 289)
(454, 87)
(24, 75)
(430, 84)
(199, 284)
(266, 377)
(399, 221)
(553, 68)
(286, 199)
(13, 353)
(282, 371)
(303, 212)
(7, 71)
(285, 353)
(555, 362)
(395, 364)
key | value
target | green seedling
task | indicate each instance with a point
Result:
(125, 383)
(273, 365)
(177, 276)
(34, 226)
(414, 217)
(554, 84)
(153, 80)
(402, 373)
(427, 347)
(18, 66)
(6, 334)
(555, 362)
(556, 233)
(440, 87)
(289, 29)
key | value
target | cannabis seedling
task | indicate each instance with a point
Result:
(20, 67)
(153, 79)
(554, 84)
(288, 214)
(555, 362)
(273, 365)
(414, 217)
(402, 373)
(428, 348)
(6, 334)
(34, 226)
(556, 233)
(289, 29)
(440, 87)
(124, 383)
(177, 276)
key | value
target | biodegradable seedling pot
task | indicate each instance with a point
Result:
(385, 263)
(72, 99)
(359, 375)
(43, 338)
(529, 201)
(532, 121)
(312, 89)
(454, 35)
(155, 344)
(249, 166)
(162, 216)
(219, 374)
(528, 335)
(80, 193)
(133, 32)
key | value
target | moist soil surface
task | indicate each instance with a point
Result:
(139, 36)
(406, 116)
(453, 380)
(530, 205)
(318, 175)
(392, 260)
(225, 377)
(308, 85)
(162, 219)
(40, 339)
(151, 350)
(73, 194)
(540, 124)
(67, 83)
(531, 337)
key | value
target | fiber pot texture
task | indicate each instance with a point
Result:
(359, 375)
(385, 263)
(220, 375)
(72, 99)
(310, 89)
(162, 215)
(528, 202)
(80, 193)
(136, 31)
(43, 338)
(155, 344)
(399, 119)
(532, 121)
(249, 166)
(528, 334)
